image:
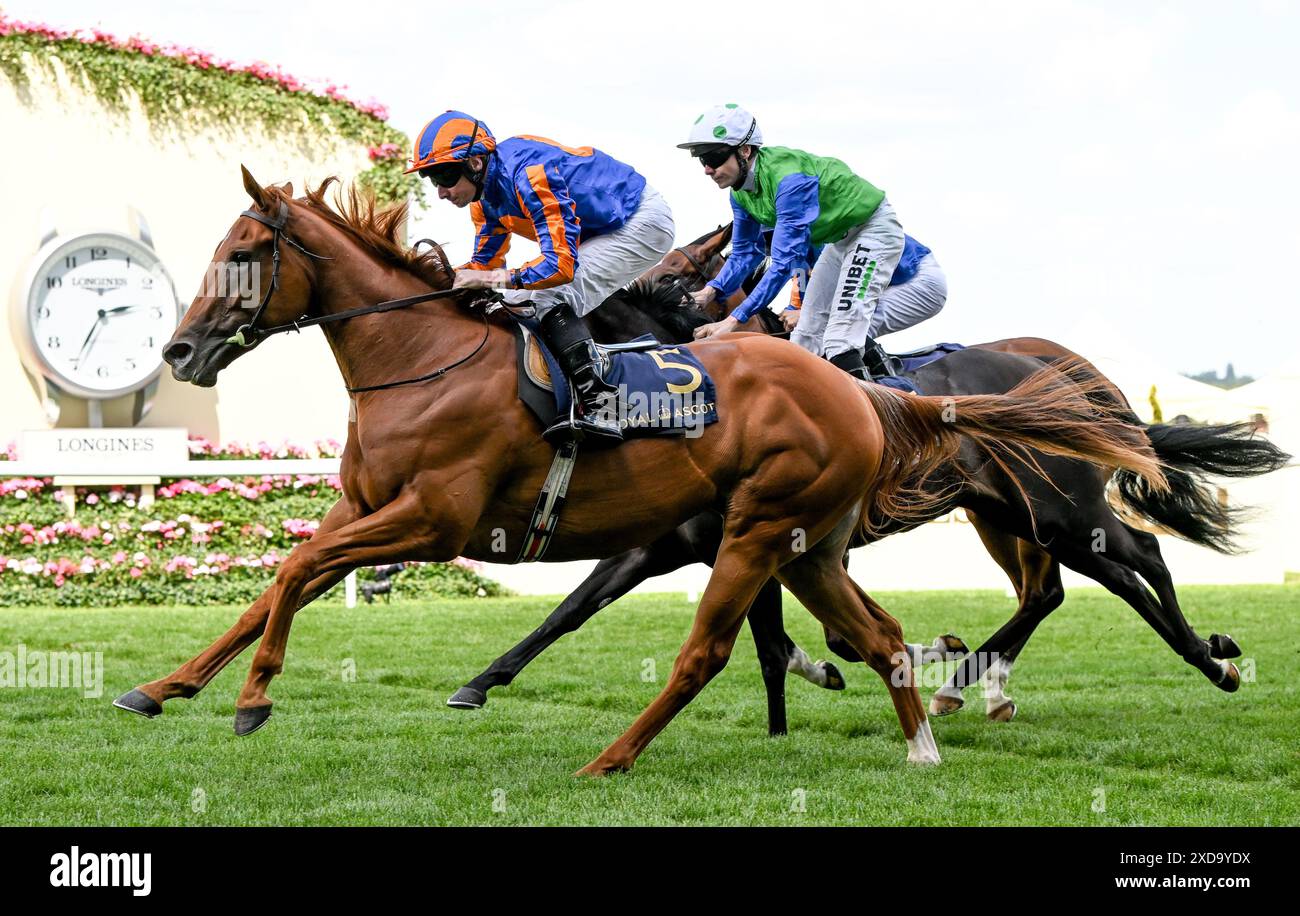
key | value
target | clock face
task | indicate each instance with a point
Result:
(99, 311)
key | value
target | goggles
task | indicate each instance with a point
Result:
(715, 156)
(445, 174)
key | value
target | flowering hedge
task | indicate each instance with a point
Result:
(201, 542)
(182, 88)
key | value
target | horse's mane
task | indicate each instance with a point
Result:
(378, 229)
(663, 303)
(751, 282)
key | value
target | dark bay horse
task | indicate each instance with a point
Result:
(1028, 537)
(1191, 509)
(800, 460)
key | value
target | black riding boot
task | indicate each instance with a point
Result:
(596, 414)
(878, 362)
(851, 362)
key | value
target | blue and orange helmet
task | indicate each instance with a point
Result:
(453, 136)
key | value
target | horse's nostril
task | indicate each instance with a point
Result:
(177, 353)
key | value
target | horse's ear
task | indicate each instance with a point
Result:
(255, 190)
(287, 187)
(717, 243)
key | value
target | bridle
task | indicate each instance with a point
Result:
(249, 335)
(702, 270)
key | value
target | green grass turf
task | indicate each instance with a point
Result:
(1104, 706)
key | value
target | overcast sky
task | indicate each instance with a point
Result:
(1127, 166)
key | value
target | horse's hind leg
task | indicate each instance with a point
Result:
(741, 568)
(1126, 554)
(818, 579)
(195, 674)
(1150, 564)
(704, 533)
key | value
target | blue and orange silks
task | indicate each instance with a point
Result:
(558, 196)
(453, 136)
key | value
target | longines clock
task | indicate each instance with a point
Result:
(97, 310)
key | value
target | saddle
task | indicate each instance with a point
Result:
(664, 390)
(913, 361)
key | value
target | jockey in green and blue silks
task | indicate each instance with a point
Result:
(597, 223)
(813, 201)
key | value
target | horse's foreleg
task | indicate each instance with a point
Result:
(738, 573)
(774, 650)
(197, 673)
(1036, 576)
(611, 579)
(396, 532)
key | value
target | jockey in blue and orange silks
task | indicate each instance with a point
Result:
(597, 223)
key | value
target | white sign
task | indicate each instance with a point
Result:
(98, 451)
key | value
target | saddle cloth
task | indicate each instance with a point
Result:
(664, 390)
(915, 359)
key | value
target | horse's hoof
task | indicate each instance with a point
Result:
(250, 719)
(1004, 712)
(467, 698)
(834, 680)
(140, 703)
(954, 645)
(943, 705)
(1231, 679)
(1224, 646)
(597, 768)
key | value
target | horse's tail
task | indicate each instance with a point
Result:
(1056, 411)
(1191, 507)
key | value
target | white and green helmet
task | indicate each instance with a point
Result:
(728, 124)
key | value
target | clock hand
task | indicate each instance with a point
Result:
(121, 309)
(90, 338)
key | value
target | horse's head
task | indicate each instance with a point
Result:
(259, 276)
(689, 267)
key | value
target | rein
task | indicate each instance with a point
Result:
(682, 289)
(772, 325)
(249, 335)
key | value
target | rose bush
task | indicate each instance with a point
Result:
(201, 542)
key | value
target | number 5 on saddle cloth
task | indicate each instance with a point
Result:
(663, 391)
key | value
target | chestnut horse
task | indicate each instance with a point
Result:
(442, 459)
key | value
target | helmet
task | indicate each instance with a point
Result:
(453, 136)
(724, 125)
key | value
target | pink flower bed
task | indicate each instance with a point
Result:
(321, 448)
